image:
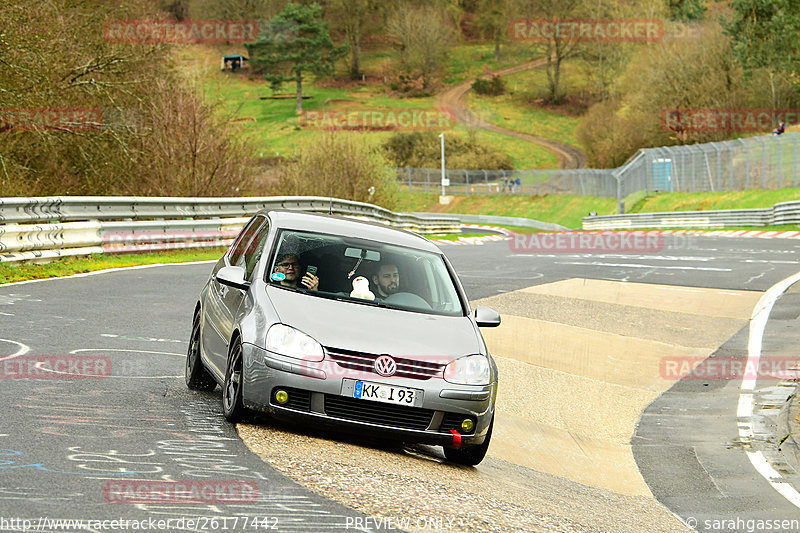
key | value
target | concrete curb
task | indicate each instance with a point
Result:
(789, 430)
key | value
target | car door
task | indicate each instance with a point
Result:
(223, 301)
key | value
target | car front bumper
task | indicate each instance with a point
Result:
(320, 394)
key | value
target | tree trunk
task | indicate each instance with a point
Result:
(299, 107)
(554, 71)
(772, 88)
(355, 54)
(497, 44)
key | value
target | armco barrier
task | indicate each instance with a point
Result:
(50, 227)
(779, 214)
(502, 221)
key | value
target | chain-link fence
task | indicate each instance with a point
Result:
(767, 162)
(584, 182)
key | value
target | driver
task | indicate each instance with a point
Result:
(289, 266)
(386, 280)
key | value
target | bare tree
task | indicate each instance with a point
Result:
(424, 40)
(115, 105)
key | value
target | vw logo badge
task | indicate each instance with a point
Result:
(385, 366)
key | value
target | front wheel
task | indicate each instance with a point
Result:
(195, 373)
(470, 455)
(232, 407)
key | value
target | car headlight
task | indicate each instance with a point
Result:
(290, 342)
(469, 370)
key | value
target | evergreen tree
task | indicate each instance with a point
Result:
(764, 35)
(295, 43)
(686, 10)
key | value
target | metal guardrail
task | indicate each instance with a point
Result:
(503, 221)
(780, 214)
(49, 227)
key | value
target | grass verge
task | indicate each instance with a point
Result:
(708, 201)
(67, 266)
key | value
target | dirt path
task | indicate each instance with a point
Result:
(455, 100)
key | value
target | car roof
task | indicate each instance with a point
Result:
(349, 227)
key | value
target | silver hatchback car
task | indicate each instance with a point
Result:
(346, 323)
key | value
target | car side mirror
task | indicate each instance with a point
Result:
(232, 276)
(486, 317)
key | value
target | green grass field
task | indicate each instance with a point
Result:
(715, 200)
(569, 211)
(275, 129)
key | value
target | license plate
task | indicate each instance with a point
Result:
(366, 390)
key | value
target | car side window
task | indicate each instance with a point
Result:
(254, 251)
(248, 248)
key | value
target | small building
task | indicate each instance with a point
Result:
(233, 62)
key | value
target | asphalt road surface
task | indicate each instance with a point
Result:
(95, 447)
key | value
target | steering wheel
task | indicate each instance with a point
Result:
(407, 299)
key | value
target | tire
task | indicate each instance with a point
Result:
(232, 407)
(197, 377)
(470, 455)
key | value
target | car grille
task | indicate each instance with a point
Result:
(453, 421)
(379, 413)
(299, 400)
(406, 368)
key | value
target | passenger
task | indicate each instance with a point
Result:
(289, 266)
(386, 280)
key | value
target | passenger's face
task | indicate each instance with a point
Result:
(388, 280)
(289, 266)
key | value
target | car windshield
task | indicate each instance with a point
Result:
(364, 272)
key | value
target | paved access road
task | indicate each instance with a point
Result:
(71, 445)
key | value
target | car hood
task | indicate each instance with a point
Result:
(376, 330)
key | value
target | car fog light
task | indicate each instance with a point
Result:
(467, 425)
(281, 396)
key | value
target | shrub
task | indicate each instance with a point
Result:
(490, 87)
(343, 165)
(423, 150)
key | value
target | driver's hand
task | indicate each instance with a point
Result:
(310, 282)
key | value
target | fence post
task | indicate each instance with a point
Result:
(763, 162)
(409, 179)
(731, 152)
(428, 183)
(747, 164)
(466, 181)
(795, 160)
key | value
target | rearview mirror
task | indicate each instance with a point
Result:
(486, 317)
(232, 276)
(356, 253)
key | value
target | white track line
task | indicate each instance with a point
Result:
(758, 323)
(23, 349)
